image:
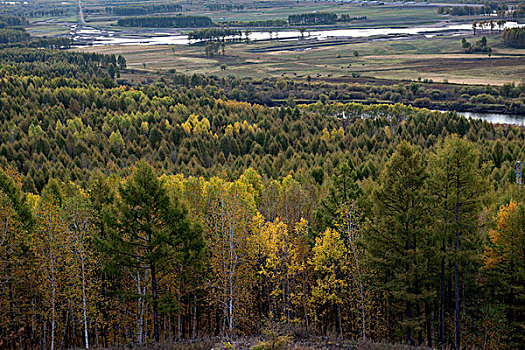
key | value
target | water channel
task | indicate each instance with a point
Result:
(95, 36)
(496, 118)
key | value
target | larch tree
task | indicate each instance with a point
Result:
(503, 267)
(343, 189)
(397, 242)
(9, 249)
(154, 234)
(16, 223)
(458, 186)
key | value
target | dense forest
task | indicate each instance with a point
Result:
(166, 211)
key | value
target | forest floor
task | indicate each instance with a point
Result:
(277, 343)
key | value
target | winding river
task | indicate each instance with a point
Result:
(97, 37)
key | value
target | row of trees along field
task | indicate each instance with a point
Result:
(155, 214)
(256, 23)
(215, 34)
(320, 18)
(181, 21)
(472, 10)
(166, 21)
(514, 37)
(133, 10)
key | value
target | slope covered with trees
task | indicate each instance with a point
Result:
(162, 213)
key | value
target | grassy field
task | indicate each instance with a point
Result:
(439, 59)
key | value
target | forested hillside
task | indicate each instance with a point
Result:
(161, 212)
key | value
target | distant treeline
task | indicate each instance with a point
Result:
(51, 64)
(165, 22)
(132, 10)
(262, 23)
(347, 18)
(12, 21)
(181, 21)
(222, 7)
(49, 13)
(214, 34)
(320, 18)
(465, 10)
(514, 37)
(48, 43)
(519, 11)
(312, 18)
(13, 35)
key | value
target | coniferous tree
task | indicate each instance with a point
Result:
(154, 233)
(397, 242)
(458, 186)
(343, 189)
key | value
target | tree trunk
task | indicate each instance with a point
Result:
(456, 286)
(442, 301)
(155, 303)
(428, 324)
(339, 322)
(194, 330)
(86, 337)
(53, 308)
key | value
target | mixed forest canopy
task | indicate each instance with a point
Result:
(169, 211)
(507, 98)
